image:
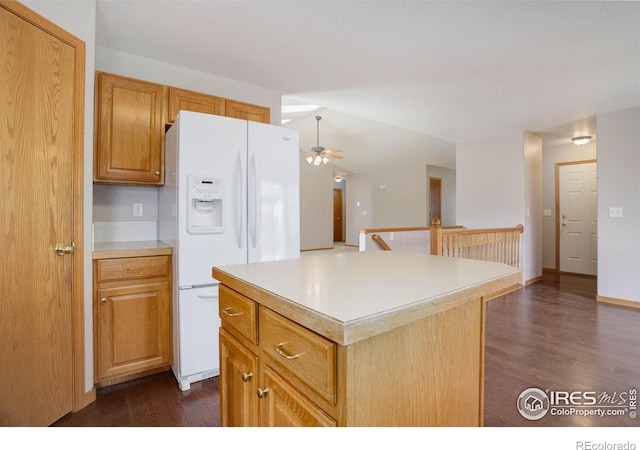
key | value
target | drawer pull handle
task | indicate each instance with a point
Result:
(228, 312)
(134, 269)
(246, 376)
(263, 392)
(285, 355)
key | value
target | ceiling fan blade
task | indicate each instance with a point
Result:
(334, 150)
(329, 155)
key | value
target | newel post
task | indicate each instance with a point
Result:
(435, 235)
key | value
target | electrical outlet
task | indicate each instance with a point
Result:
(137, 210)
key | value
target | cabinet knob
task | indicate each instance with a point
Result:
(157, 172)
(263, 392)
(246, 376)
(103, 300)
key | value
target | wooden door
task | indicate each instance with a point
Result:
(337, 216)
(132, 329)
(284, 406)
(577, 217)
(42, 82)
(435, 199)
(238, 384)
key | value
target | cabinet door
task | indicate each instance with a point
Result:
(181, 99)
(133, 329)
(238, 380)
(247, 111)
(129, 123)
(284, 406)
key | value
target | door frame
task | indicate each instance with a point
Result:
(557, 168)
(80, 398)
(342, 227)
(429, 189)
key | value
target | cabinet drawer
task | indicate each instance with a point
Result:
(133, 268)
(239, 312)
(303, 353)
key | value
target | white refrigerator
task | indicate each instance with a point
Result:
(231, 196)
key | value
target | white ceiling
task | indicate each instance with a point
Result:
(402, 81)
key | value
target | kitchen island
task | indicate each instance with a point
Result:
(355, 339)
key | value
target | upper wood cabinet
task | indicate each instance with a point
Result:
(129, 131)
(193, 101)
(247, 111)
(130, 119)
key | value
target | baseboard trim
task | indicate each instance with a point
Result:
(549, 270)
(315, 249)
(618, 301)
(533, 280)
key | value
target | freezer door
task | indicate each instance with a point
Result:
(273, 192)
(215, 147)
(196, 335)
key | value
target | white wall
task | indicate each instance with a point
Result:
(359, 205)
(533, 206)
(550, 157)
(389, 198)
(619, 186)
(79, 18)
(490, 182)
(448, 187)
(316, 206)
(495, 186)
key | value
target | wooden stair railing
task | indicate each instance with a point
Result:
(487, 244)
(380, 241)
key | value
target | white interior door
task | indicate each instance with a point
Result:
(577, 193)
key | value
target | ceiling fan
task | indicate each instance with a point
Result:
(318, 155)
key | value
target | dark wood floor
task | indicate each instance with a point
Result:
(550, 335)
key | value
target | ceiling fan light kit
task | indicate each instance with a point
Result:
(318, 154)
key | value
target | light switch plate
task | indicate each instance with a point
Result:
(546, 212)
(615, 212)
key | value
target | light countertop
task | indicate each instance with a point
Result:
(350, 296)
(129, 249)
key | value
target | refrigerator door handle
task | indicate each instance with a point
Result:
(254, 204)
(238, 213)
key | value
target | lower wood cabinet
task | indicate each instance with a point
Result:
(132, 318)
(276, 372)
(256, 390)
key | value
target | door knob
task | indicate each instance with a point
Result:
(62, 249)
(263, 392)
(564, 224)
(564, 216)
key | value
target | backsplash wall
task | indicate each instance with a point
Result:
(113, 219)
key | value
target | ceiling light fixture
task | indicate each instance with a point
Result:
(581, 140)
